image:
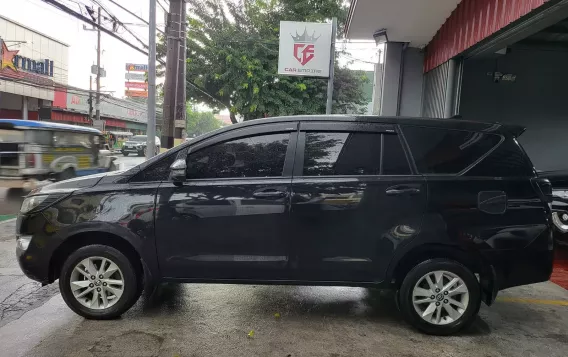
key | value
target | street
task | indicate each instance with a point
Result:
(11, 200)
(248, 320)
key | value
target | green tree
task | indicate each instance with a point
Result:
(198, 123)
(232, 59)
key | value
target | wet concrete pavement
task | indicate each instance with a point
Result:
(216, 320)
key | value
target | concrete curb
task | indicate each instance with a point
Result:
(8, 221)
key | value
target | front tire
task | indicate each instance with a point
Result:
(440, 297)
(99, 282)
(124, 153)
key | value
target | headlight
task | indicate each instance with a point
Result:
(32, 202)
(39, 202)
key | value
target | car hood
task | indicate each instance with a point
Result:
(79, 183)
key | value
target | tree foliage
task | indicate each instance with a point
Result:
(232, 59)
(198, 123)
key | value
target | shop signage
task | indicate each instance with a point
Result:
(11, 59)
(136, 93)
(304, 49)
(139, 85)
(135, 76)
(132, 67)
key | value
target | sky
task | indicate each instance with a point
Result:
(48, 20)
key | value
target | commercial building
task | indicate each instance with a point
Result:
(485, 60)
(34, 84)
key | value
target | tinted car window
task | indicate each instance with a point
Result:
(443, 151)
(158, 172)
(506, 160)
(337, 153)
(255, 156)
(394, 159)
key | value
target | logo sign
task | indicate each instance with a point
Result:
(132, 67)
(11, 59)
(304, 49)
(135, 76)
(136, 93)
(140, 85)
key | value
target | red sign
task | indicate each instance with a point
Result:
(136, 93)
(303, 52)
(141, 85)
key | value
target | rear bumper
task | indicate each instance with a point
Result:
(532, 264)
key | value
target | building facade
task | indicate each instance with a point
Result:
(34, 85)
(485, 60)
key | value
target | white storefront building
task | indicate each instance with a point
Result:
(32, 66)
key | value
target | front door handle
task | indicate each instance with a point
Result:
(402, 190)
(269, 194)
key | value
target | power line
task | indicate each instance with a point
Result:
(162, 6)
(133, 14)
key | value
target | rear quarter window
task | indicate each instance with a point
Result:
(446, 151)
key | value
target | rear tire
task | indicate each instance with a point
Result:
(126, 293)
(454, 306)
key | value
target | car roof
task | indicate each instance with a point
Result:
(34, 124)
(457, 124)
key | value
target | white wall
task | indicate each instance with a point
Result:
(36, 47)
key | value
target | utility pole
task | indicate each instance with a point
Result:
(98, 104)
(331, 67)
(91, 98)
(151, 125)
(174, 91)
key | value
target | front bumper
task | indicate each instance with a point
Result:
(35, 260)
(136, 149)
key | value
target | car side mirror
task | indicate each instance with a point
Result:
(178, 171)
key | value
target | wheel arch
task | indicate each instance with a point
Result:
(471, 259)
(89, 237)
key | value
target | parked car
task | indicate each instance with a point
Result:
(137, 145)
(445, 212)
(559, 181)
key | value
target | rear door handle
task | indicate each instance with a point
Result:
(402, 190)
(269, 194)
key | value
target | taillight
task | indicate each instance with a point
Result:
(30, 160)
(545, 188)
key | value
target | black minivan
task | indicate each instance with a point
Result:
(446, 212)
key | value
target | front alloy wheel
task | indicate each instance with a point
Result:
(97, 283)
(100, 282)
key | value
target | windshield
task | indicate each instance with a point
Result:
(138, 138)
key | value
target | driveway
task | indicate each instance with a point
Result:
(248, 320)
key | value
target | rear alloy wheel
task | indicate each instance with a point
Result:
(99, 282)
(440, 297)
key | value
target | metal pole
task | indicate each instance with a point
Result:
(91, 98)
(98, 105)
(450, 90)
(151, 125)
(331, 67)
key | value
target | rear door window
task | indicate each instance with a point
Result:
(444, 151)
(353, 153)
